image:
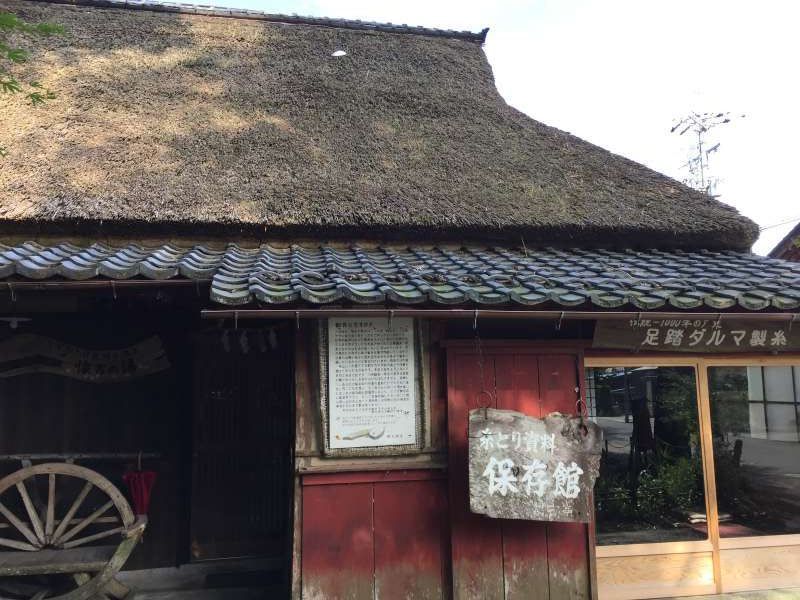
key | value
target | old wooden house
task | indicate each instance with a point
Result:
(789, 247)
(260, 269)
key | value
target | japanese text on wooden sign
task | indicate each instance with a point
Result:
(372, 391)
(521, 467)
(696, 335)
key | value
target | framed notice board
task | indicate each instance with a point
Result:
(371, 386)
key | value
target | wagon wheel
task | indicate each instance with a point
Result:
(63, 511)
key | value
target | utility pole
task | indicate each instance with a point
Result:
(697, 166)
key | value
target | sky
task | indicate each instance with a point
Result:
(619, 73)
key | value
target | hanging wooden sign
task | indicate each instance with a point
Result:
(30, 353)
(521, 467)
(696, 335)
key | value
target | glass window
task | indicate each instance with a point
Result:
(651, 486)
(754, 422)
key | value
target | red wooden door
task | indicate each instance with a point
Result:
(495, 559)
(375, 536)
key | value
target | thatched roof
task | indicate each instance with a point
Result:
(178, 124)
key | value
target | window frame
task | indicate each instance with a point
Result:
(713, 543)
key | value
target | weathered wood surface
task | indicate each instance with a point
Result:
(51, 551)
(386, 541)
(503, 558)
(45, 562)
(521, 467)
(47, 355)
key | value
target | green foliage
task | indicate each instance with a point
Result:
(12, 55)
(656, 485)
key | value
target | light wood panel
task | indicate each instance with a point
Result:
(654, 576)
(686, 547)
(762, 541)
(760, 568)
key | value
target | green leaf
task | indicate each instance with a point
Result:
(36, 98)
(48, 28)
(10, 86)
(17, 55)
(9, 20)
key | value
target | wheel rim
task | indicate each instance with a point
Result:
(60, 506)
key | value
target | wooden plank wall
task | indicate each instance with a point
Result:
(386, 540)
(499, 559)
(392, 509)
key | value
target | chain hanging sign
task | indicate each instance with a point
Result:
(696, 335)
(521, 467)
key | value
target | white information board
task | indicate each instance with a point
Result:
(372, 389)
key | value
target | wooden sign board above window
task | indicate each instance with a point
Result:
(28, 353)
(521, 467)
(370, 386)
(698, 336)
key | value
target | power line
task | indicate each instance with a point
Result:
(795, 220)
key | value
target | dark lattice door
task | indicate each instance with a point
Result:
(241, 471)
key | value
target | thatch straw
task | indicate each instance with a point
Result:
(176, 124)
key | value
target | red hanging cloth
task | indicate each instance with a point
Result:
(140, 484)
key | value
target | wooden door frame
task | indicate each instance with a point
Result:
(714, 543)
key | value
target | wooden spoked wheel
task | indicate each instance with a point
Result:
(64, 519)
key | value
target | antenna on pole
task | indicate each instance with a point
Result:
(697, 166)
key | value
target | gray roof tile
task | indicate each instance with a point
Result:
(645, 280)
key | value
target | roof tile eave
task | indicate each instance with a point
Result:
(530, 278)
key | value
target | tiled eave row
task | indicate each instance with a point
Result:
(645, 280)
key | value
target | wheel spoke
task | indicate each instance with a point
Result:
(35, 520)
(86, 522)
(71, 512)
(51, 507)
(92, 538)
(18, 545)
(21, 527)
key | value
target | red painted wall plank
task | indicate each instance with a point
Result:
(557, 383)
(337, 542)
(568, 558)
(371, 476)
(411, 540)
(525, 566)
(476, 545)
(538, 561)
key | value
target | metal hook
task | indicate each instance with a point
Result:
(297, 319)
(11, 291)
(560, 319)
(236, 320)
(391, 316)
(475, 321)
(114, 289)
(485, 398)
